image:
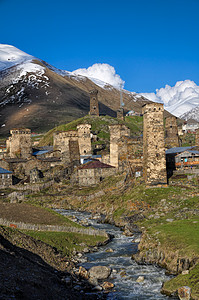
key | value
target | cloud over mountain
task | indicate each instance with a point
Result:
(102, 72)
(178, 99)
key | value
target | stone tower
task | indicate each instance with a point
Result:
(116, 132)
(67, 143)
(84, 138)
(171, 132)
(120, 113)
(94, 105)
(19, 145)
(197, 137)
(154, 158)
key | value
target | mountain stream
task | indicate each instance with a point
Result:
(125, 271)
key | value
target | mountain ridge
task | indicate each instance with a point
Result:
(33, 95)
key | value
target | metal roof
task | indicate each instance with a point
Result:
(40, 152)
(178, 149)
(95, 164)
(4, 171)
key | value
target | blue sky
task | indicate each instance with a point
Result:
(149, 43)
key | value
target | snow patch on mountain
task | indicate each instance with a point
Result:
(179, 99)
(192, 114)
(102, 75)
(11, 56)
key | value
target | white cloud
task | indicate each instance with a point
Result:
(103, 72)
(178, 99)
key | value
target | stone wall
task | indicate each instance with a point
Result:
(130, 152)
(171, 132)
(19, 144)
(5, 180)
(39, 227)
(94, 105)
(84, 138)
(154, 160)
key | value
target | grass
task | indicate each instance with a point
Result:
(191, 280)
(66, 242)
(100, 125)
(181, 235)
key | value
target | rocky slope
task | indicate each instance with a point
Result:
(192, 114)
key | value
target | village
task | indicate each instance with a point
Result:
(155, 156)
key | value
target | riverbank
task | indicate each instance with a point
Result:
(158, 212)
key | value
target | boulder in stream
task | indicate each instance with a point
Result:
(100, 272)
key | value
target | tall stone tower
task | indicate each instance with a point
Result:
(154, 158)
(19, 145)
(84, 138)
(94, 105)
(197, 137)
(116, 132)
(171, 132)
(120, 113)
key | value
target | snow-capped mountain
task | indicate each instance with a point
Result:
(179, 99)
(39, 96)
(192, 114)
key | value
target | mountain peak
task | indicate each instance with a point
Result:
(11, 56)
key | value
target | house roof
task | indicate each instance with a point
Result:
(4, 171)
(95, 164)
(192, 121)
(189, 152)
(40, 152)
(178, 149)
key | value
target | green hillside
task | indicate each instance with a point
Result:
(99, 125)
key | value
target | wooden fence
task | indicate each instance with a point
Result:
(40, 227)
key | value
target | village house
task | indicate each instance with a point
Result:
(5, 178)
(182, 158)
(91, 173)
(190, 126)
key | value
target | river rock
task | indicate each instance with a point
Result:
(185, 272)
(184, 293)
(140, 279)
(107, 285)
(100, 272)
(123, 273)
(93, 281)
(83, 272)
(109, 250)
(97, 288)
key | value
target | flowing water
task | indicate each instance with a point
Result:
(125, 270)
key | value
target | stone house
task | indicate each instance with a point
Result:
(190, 126)
(5, 178)
(181, 157)
(91, 173)
(187, 159)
